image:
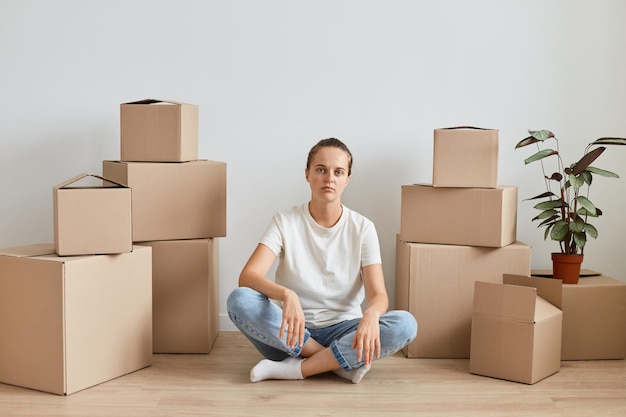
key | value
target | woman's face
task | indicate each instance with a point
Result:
(328, 173)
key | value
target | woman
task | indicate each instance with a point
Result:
(329, 261)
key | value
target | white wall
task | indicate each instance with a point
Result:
(273, 77)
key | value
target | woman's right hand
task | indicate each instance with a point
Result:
(253, 276)
(293, 320)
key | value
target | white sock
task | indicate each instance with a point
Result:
(354, 375)
(289, 368)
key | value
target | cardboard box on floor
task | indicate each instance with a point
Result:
(92, 218)
(465, 157)
(185, 295)
(68, 323)
(594, 316)
(459, 216)
(158, 131)
(173, 201)
(436, 284)
(516, 332)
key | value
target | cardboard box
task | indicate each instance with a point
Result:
(92, 219)
(185, 295)
(516, 332)
(68, 323)
(459, 216)
(594, 316)
(173, 201)
(158, 131)
(465, 157)
(436, 284)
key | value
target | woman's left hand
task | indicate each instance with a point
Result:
(367, 338)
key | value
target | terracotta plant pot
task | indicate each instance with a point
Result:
(566, 267)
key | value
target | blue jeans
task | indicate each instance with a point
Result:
(259, 320)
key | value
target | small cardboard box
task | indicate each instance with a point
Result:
(185, 295)
(459, 216)
(173, 201)
(158, 131)
(465, 157)
(436, 284)
(92, 219)
(68, 323)
(516, 332)
(594, 316)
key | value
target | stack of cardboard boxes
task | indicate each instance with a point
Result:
(455, 232)
(87, 308)
(179, 209)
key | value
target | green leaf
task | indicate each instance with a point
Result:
(576, 181)
(602, 172)
(540, 155)
(586, 204)
(548, 205)
(577, 225)
(546, 214)
(583, 212)
(591, 230)
(541, 134)
(580, 239)
(559, 231)
(586, 175)
(547, 232)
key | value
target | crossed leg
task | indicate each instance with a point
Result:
(317, 360)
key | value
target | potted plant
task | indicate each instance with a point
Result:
(565, 207)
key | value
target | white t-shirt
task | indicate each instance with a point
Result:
(323, 265)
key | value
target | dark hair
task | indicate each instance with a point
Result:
(331, 143)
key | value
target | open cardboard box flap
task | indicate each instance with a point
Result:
(548, 289)
(79, 177)
(510, 302)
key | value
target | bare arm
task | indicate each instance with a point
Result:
(367, 338)
(253, 276)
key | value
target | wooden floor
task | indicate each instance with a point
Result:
(217, 385)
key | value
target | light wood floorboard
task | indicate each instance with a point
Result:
(217, 385)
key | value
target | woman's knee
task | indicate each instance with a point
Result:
(402, 323)
(240, 299)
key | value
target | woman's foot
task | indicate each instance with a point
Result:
(289, 368)
(354, 375)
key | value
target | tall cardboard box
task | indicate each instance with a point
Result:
(173, 201)
(185, 295)
(436, 284)
(92, 218)
(516, 333)
(465, 157)
(68, 323)
(158, 131)
(459, 216)
(594, 316)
